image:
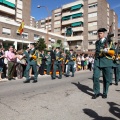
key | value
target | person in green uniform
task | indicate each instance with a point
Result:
(26, 56)
(32, 63)
(116, 64)
(48, 62)
(71, 58)
(103, 62)
(57, 64)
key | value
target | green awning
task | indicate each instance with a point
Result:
(66, 17)
(77, 15)
(76, 7)
(1, 1)
(76, 24)
(8, 3)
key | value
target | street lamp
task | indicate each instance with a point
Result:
(39, 6)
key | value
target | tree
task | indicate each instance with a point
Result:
(40, 45)
(59, 42)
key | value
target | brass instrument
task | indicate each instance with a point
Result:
(73, 59)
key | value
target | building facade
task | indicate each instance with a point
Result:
(119, 34)
(84, 17)
(12, 12)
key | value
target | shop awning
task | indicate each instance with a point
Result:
(76, 24)
(8, 3)
(76, 7)
(1, 1)
(66, 17)
(77, 15)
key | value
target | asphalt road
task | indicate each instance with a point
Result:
(65, 99)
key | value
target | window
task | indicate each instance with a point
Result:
(93, 5)
(118, 34)
(92, 14)
(57, 22)
(57, 14)
(57, 30)
(36, 37)
(119, 30)
(92, 24)
(25, 35)
(6, 31)
(92, 33)
(42, 23)
(91, 43)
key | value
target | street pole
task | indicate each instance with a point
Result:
(47, 36)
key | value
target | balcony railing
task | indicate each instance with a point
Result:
(74, 38)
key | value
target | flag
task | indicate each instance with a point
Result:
(20, 29)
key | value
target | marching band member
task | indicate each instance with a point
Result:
(71, 59)
(116, 64)
(32, 63)
(48, 62)
(103, 61)
(57, 64)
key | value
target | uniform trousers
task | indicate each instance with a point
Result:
(106, 71)
(32, 64)
(57, 65)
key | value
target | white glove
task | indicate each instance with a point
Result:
(105, 50)
(30, 56)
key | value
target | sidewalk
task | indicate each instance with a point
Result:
(6, 80)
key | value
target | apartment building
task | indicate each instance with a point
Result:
(12, 12)
(84, 18)
(119, 34)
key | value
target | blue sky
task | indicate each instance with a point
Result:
(53, 4)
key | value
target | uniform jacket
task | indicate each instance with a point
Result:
(102, 61)
(48, 59)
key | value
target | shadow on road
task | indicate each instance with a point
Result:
(114, 109)
(83, 88)
(95, 116)
(118, 90)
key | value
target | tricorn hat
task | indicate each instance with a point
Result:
(101, 30)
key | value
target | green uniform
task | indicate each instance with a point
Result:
(48, 63)
(116, 67)
(27, 59)
(70, 65)
(57, 65)
(104, 64)
(32, 63)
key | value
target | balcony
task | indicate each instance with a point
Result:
(90, 10)
(72, 12)
(92, 1)
(57, 26)
(7, 10)
(75, 29)
(74, 38)
(72, 4)
(57, 18)
(92, 37)
(72, 21)
(92, 28)
(91, 19)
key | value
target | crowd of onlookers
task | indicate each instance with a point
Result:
(84, 62)
(12, 64)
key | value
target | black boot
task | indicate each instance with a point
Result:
(26, 81)
(95, 96)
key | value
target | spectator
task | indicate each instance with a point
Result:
(11, 57)
(1, 62)
(82, 61)
(20, 63)
(78, 63)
